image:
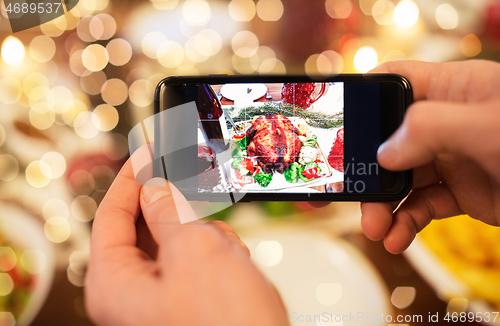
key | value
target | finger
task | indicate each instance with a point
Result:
(472, 186)
(416, 72)
(419, 209)
(143, 163)
(164, 208)
(450, 81)
(376, 218)
(229, 234)
(425, 175)
(145, 240)
(422, 177)
(433, 128)
(114, 223)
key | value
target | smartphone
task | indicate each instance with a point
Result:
(279, 138)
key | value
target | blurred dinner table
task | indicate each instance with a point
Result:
(406, 293)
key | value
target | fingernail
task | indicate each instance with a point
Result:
(381, 147)
(387, 148)
(156, 182)
(231, 235)
(153, 194)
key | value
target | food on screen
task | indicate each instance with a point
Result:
(275, 143)
(336, 156)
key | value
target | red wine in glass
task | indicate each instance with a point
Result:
(212, 120)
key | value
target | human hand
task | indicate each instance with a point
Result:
(451, 138)
(167, 273)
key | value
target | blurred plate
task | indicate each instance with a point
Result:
(26, 233)
(251, 91)
(442, 279)
(316, 274)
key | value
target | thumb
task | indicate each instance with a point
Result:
(164, 208)
(429, 129)
(165, 211)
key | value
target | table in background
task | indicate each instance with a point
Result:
(64, 305)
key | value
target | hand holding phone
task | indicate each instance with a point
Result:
(234, 138)
(149, 265)
(450, 137)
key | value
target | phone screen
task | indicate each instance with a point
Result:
(274, 140)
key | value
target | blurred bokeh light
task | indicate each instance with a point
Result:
(71, 89)
(406, 14)
(12, 51)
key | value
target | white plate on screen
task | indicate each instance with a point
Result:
(251, 91)
(316, 274)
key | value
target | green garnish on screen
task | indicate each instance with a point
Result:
(242, 143)
(263, 179)
(292, 173)
(236, 163)
(310, 141)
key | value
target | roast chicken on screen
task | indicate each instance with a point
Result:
(274, 140)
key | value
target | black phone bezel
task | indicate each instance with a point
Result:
(390, 120)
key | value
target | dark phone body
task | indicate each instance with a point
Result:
(374, 107)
